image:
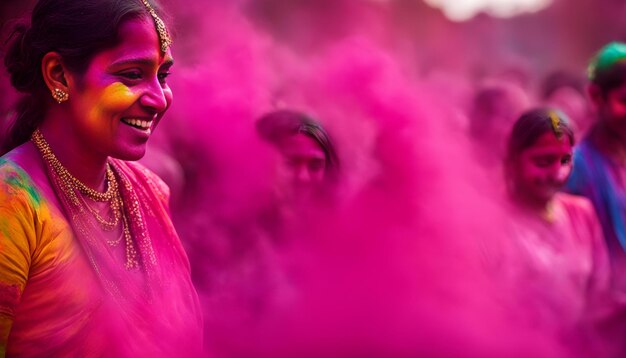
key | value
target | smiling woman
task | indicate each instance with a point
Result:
(122, 94)
(553, 230)
(90, 263)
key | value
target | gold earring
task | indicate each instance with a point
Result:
(60, 96)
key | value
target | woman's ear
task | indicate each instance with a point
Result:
(54, 75)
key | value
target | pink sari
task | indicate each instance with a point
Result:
(87, 303)
(158, 307)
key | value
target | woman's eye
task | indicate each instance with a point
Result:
(291, 162)
(544, 161)
(316, 165)
(566, 160)
(132, 75)
(163, 76)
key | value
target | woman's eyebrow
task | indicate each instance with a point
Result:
(141, 61)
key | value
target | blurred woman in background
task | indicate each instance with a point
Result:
(559, 263)
(494, 108)
(309, 166)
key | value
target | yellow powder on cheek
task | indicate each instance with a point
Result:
(111, 102)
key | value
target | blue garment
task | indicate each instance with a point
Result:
(597, 177)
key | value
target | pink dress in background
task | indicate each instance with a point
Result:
(554, 274)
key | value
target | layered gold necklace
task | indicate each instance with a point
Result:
(79, 195)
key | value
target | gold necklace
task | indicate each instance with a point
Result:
(117, 241)
(70, 185)
(548, 214)
(111, 196)
(115, 206)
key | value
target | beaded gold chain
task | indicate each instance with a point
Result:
(71, 186)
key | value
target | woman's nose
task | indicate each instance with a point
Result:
(156, 98)
(303, 175)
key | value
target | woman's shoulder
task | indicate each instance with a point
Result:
(21, 203)
(16, 183)
(575, 202)
(579, 209)
(21, 170)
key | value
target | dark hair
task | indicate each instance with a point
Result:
(610, 78)
(533, 124)
(277, 125)
(607, 69)
(77, 30)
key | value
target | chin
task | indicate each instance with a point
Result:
(130, 154)
(544, 197)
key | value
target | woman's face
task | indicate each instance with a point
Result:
(542, 169)
(303, 169)
(116, 104)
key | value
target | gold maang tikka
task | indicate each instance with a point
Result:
(556, 124)
(164, 35)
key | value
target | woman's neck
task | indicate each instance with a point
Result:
(542, 208)
(85, 165)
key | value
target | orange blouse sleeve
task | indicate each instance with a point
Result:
(19, 229)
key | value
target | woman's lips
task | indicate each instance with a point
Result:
(138, 123)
